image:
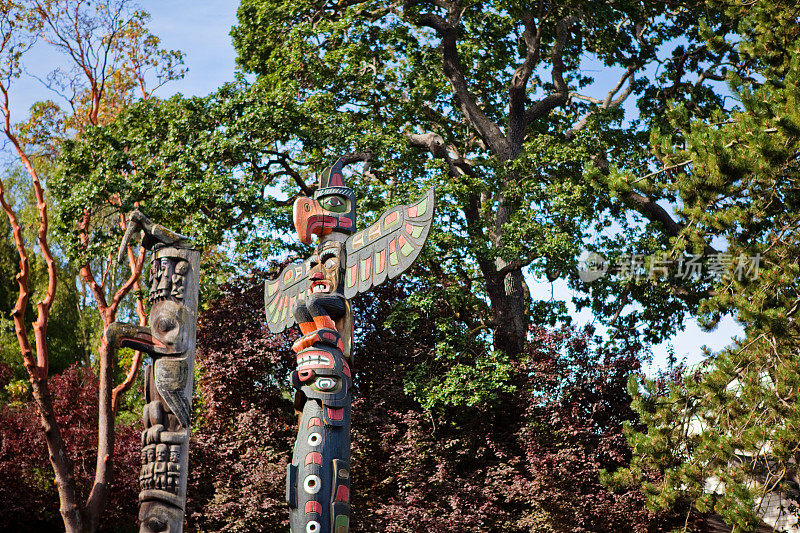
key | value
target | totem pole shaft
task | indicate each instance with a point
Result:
(170, 341)
(318, 478)
(314, 294)
(169, 383)
(310, 459)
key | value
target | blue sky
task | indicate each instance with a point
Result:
(200, 28)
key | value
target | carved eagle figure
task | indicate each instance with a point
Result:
(380, 252)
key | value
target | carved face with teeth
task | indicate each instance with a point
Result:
(311, 360)
(325, 275)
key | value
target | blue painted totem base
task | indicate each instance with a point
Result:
(318, 479)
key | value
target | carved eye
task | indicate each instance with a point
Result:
(156, 524)
(165, 324)
(312, 527)
(329, 259)
(325, 384)
(314, 439)
(334, 203)
(312, 484)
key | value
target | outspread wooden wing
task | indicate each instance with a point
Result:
(281, 294)
(389, 246)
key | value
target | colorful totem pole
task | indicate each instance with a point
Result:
(315, 294)
(170, 342)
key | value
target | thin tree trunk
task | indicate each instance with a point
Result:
(62, 465)
(105, 441)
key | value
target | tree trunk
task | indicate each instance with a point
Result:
(509, 310)
(105, 440)
(507, 288)
(62, 466)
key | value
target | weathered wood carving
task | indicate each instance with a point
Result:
(170, 342)
(315, 294)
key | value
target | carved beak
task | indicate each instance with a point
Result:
(305, 209)
(310, 219)
(144, 343)
(134, 224)
(120, 335)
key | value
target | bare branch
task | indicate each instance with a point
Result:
(98, 291)
(518, 264)
(134, 263)
(355, 157)
(561, 94)
(458, 167)
(283, 161)
(532, 36)
(128, 285)
(37, 369)
(432, 142)
(587, 98)
(130, 378)
(466, 102)
(608, 103)
(22, 277)
(43, 307)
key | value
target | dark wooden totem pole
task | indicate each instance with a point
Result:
(170, 342)
(315, 294)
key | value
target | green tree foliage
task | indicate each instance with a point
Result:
(176, 159)
(490, 102)
(732, 423)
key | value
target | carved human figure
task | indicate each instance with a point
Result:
(164, 278)
(143, 469)
(178, 278)
(315, 295)
(160, 469)
(173, 467)
(170, 342)
(151, 463)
